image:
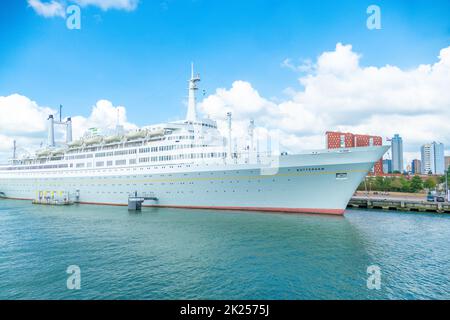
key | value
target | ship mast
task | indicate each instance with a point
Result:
(191, 113)
(14, 150)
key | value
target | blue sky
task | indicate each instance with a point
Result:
(141, 58)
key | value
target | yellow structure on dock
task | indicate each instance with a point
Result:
(55, 198)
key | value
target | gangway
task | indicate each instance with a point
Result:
(136, 199)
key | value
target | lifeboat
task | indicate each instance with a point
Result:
(43, 153)
(58, 152)
(154, 133)
(94, 140)
(136, 135)
(111, 139)
(76, 143)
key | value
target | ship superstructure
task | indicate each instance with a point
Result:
(187, 164)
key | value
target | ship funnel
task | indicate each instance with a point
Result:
(51, 131)
(192, 112)
(69, 130)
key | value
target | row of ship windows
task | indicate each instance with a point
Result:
(171, 147)
(184, 156)
(166, 192)
(211, 173)
(156, 159)
(180, 137)
(129, 144)
(142, 184)
(134, 151)
(145, 184)
(123, 162)
(108, 147)
(133, 161)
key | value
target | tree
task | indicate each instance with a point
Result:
(416, 184)
(429, 184)
(396, 185)
(378, 184)
(405, 184)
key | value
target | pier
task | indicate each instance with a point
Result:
(414, 205)
(54, 198)
(52, 202)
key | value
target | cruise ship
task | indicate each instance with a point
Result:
(186, 164)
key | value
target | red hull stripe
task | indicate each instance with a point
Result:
(264, 209)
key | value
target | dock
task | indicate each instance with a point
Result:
(410, 205)
(52, 202)
(54, 198)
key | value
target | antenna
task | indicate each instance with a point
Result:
(192, 113)
(229, 134)
(14, 150)
(251, 131)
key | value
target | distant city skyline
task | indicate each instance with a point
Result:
(432, 158)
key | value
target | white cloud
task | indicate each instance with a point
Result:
(127, 5)
(57, 8)
(48, 9)
(103, 116)
(23, 120)
(340, 94)
(19, 114)
(305, 66)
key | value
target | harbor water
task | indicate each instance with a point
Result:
(202, 254)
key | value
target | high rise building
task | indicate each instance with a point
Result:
(416, 166)
(447, 163)
(433, 158)
(397, 153)
(336, 140)
(387, 166)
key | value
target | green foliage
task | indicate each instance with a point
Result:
(430, 183)
(396, 184)
(416, 184)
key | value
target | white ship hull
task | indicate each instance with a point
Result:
(316, 182)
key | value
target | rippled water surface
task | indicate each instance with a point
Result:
(188, 254)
